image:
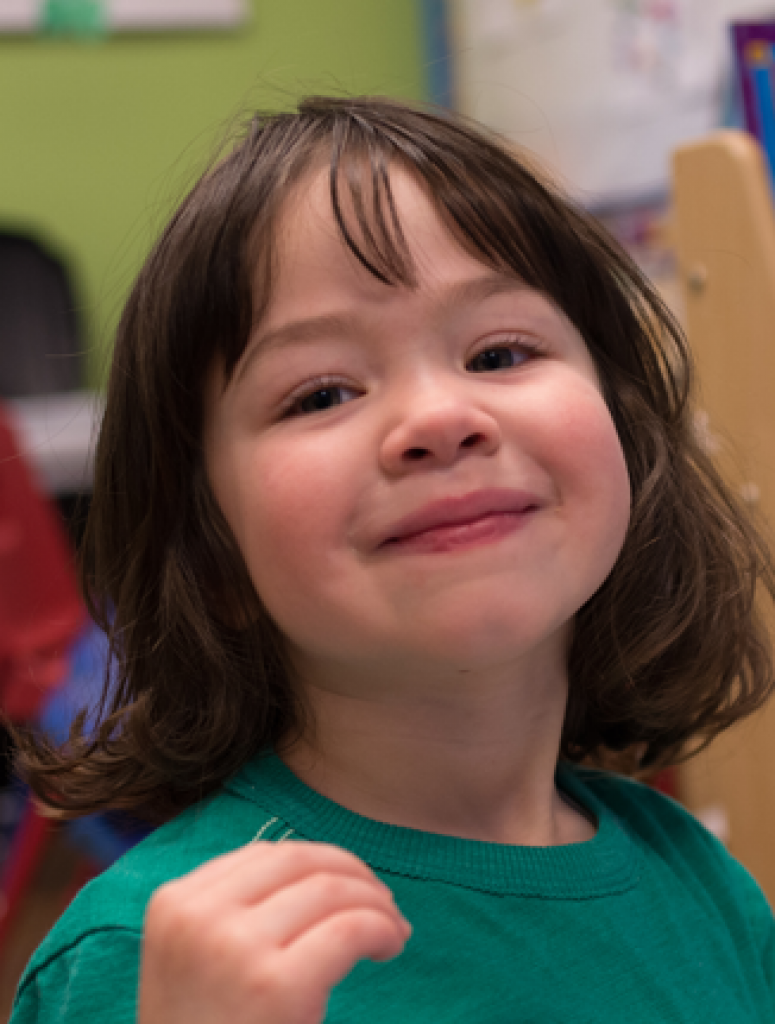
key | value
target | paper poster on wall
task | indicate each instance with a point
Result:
(99, 16)
(19, 15)
(600, 90)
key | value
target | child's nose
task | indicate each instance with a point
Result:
(439, 433)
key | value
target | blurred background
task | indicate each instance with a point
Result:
(656, 115)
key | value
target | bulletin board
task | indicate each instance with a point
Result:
(97, 16)
(601, 91)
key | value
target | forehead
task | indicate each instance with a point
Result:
(311, 254)
(308, 217)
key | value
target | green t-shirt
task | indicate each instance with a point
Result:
(650, 921)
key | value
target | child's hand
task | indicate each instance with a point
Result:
(262, 935)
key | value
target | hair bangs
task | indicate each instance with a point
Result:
(363, 204)
(492, 207)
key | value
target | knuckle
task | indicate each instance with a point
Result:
(303, 856)
(355, 928)
(165, 902)
(229, 942)
(333, 888)
(312, 857)
(282, 997)
(171, 912)
(265, 976)
(270, 986)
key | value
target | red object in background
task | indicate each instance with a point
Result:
(40, 611)
(666, 782)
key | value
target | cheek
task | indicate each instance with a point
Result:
(288, 514)
(592, 472)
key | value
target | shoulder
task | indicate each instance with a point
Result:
(106, 917)
(680, 852)
(93, 979)
(655, 822)
(651, 818)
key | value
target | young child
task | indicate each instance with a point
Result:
(398, 517)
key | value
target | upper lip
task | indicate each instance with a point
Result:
(454, 511)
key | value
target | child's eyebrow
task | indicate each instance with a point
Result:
(461, 293)
(297, 330)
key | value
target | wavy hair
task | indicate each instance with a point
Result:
(666, 654)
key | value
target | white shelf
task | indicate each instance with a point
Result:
(136, 15)
(57, 434)
(19, 15)
(174, 14)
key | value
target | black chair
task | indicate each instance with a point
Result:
(40, 336)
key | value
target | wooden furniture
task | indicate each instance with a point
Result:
(724, 231)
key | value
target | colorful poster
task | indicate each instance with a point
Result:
(601, 91)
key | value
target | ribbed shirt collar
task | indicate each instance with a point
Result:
(602, 866)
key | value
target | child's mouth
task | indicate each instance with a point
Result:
(479, 530)
(457, 522)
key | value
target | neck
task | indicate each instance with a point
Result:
(471, 756)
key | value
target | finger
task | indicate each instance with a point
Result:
(294, 909)
(327, 953)
(252, 874)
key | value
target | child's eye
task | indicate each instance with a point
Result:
(502, 356)
(323, 397)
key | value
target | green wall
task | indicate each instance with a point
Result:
(98, 138)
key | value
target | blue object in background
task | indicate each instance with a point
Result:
(438, 58)
(762, 82)
(754, 60)
(24, 835)
(105, 837)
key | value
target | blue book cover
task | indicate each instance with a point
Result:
(754, 53)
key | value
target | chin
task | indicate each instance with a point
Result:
(475, 640)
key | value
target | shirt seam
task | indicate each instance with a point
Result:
(63, 950)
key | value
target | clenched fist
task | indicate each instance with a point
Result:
(262, 935)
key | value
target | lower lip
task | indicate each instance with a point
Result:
(485, 530)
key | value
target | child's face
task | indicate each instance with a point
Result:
(358, 406)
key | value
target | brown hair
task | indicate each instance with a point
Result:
(669, 649)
